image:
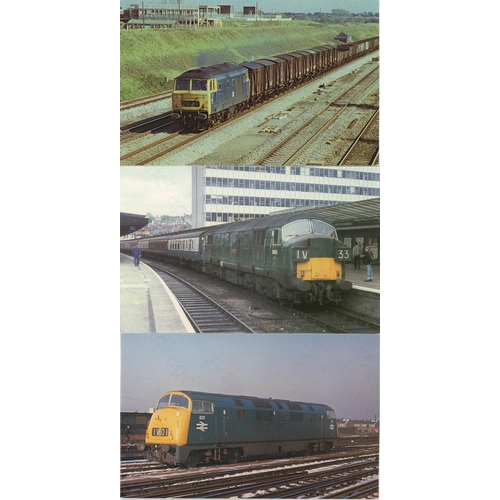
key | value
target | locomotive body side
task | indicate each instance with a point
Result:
(191, 427)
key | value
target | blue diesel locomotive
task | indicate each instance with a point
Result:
(188, 428)
(293, 258)
(205, 96)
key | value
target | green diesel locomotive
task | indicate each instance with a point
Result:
(293, 258)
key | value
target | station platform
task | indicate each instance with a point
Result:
(357, 277)
(146, 303)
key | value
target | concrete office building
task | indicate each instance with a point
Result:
(228, 194)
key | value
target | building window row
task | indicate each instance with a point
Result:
(310, 171)
(230, 217)
(261, 201)
(303, 187)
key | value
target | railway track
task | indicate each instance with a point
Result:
(306, 135)
(156, 149)
(143, 128)
(143, 101)
(262, 314)
(284, 478)
(365, 146)
(144, 154)
(205, 313)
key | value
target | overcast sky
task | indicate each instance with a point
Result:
(159, 190)
(281, 5)
(338, 370)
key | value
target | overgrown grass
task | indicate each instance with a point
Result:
(148, 57)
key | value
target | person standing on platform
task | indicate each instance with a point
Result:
(136, 252)
(357, 256)
(368, 259)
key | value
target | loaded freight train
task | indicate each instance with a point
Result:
(205, 96)
(293, 259)
(190, 427)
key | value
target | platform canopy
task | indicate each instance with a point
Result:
(352, 214)
(131, 222)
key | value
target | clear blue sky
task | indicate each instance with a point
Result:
(339, 370)
(282, 5)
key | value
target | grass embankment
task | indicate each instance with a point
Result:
(147, 57)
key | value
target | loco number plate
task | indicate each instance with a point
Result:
(342, 254)
(160, 432)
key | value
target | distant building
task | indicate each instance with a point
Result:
(342, 37)
(164, 16)
(226, 10)
(347, 426)
(366, 426)
(229, 194)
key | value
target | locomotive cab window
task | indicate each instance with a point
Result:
(323, 228)
(164, 401)
(302, 226)
(202, 406)
(276, 240)
(180, 401)
(182, 84)
(199, 85)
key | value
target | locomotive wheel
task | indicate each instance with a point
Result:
(193, 459)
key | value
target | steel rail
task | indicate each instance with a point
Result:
(360, 135)
(343, 107)
(205, 314)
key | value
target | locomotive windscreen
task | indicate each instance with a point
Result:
(182, 84)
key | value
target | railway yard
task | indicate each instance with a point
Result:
(215, 306)
(331, 121)
(348, 472)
